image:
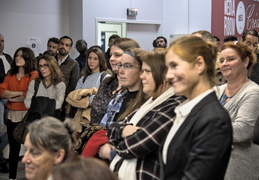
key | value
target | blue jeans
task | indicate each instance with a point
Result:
(3, 112)
(3, 143)
(3, 133)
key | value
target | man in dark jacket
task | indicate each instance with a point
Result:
(68, 66)
(5, 64)
(81, 47)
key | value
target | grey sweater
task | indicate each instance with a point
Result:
(243, 109)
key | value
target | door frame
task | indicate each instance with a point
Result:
(115, 20)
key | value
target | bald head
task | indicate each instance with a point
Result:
(205, 35)
(1, 44)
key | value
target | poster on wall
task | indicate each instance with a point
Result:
(233, 17)
(34, 43)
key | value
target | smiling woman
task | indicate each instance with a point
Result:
(240, 97)
(197, 146)
(47, 144)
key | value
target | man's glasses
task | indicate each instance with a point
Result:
(44, 66)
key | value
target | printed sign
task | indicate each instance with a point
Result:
(233, 17)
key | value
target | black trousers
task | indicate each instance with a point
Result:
(14, 152)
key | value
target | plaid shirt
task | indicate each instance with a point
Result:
(145, 142)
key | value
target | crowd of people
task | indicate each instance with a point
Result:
(184, 111)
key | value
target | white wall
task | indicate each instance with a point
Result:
(186, 16)
(21, 19)
(149, 12)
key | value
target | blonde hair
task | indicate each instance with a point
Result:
(189, 48)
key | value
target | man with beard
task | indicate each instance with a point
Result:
(161, 42)
(5, 63)
(81, 47)
(52, 46)
(68, 66)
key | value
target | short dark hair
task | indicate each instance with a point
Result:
(154, 43)
(161, 37)
(251, 32)
(114, 36)
(54, 40)
(230, 38)
(67, 37)
(216, 37)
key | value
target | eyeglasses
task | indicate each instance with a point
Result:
(125, 66)
(44, 66)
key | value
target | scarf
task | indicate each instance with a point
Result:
(127, 170)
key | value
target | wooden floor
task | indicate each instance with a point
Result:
(20, 173)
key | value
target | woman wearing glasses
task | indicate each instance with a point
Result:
(50, 83)
(138, 136)
(110, 86)
(14, 89)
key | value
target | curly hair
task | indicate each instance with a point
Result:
(29, 58)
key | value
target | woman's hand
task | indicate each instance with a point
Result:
(104, 151)
(129, 130)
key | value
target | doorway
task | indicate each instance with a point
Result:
(106, 29)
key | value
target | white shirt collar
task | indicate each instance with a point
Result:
(185, 108)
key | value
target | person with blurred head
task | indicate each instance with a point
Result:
(138, 136)
(14, 88)
(205, 35)
(5, 64)
(48, 143)
(52, 47)
(110, 86)
(161, 42)
(251, 39)
(198, 145)
(81, 47)
(81, 168)
(240, 97)
(50, 83)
